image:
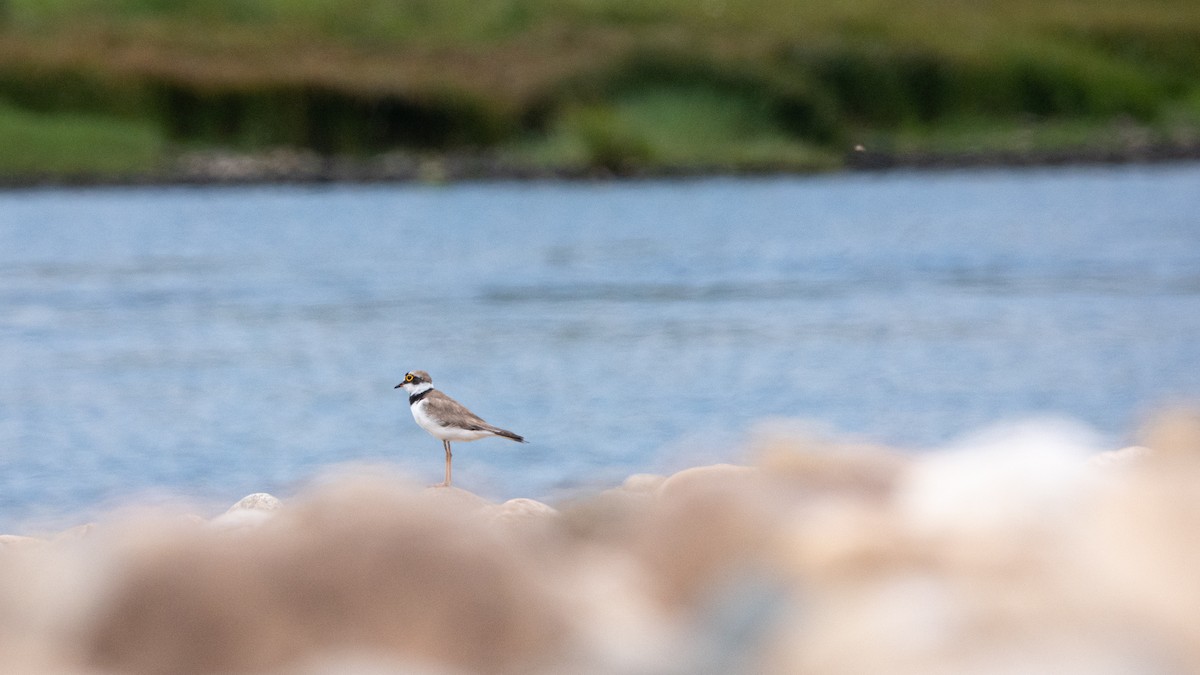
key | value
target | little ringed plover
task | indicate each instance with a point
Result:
(445, 418)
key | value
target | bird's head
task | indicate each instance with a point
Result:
(415, 381)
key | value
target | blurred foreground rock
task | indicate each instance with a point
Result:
(1020, 552)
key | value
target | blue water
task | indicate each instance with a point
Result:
(210, 342)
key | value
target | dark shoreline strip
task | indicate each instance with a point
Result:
(261, 170)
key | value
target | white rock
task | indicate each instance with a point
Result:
(1025, 475)
(250, 511)
(520, 510)
(1133, 454)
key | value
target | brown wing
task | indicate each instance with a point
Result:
(451, 413)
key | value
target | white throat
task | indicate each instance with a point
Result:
(414, 388)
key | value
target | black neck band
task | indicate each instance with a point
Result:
(413, 398)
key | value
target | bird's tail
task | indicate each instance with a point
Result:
(508, 434)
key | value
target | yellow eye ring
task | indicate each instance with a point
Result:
(408, 377)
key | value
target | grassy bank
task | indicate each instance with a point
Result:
(71, 144)
(589, 83)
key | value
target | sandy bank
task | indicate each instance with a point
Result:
(1023, 551)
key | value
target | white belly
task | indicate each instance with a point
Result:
(440, 432)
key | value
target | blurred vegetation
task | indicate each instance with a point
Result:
(616, 84)
(67, 145)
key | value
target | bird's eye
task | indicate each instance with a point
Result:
(408, 377)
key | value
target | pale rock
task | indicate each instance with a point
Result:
(520, 510)
(721, 477)
(250, 511)
(643, 482)
(1130, 456)
(456, 498)
(618, 625)
(997, 483)
(259, 501)
(16, 541)
(77, 532)
(1174, 433)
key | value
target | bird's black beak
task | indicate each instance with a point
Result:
(398, 386)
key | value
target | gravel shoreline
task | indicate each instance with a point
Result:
(1025, 552)
(305, 167)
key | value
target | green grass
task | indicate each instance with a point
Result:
(73, 144)
(1177, 124)
(684, 127)
(609, 83)
(1033, 136)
